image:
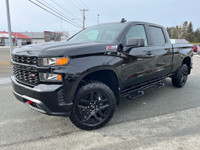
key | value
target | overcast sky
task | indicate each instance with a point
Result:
(26, 16)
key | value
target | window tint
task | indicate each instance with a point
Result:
(157, 36)
(137, 31)
(100, 33)
(92, 35)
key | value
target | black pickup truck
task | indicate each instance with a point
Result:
(85, 77)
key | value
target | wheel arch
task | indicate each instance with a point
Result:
(187, 60)
(108, 76)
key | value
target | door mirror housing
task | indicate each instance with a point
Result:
(135, 42)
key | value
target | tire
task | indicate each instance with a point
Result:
(180, 78)
(93, 107)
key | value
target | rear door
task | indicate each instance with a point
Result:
(161, 48)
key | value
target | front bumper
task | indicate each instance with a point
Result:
(45, 98)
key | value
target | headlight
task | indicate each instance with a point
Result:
(50, 77)
(53, 61)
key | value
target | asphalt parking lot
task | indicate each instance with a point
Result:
(166, 118)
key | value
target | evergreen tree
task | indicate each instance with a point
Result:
(190, 35)
(185, 31)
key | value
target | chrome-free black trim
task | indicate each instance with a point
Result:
(43, 95)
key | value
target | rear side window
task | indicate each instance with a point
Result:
(137, 31)
(157, 36)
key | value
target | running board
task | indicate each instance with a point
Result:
(139, 90)
(159, 85)
(135, 95)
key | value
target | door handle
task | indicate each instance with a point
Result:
(149, 53)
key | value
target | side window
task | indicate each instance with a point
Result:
(137, 31)
(157, 35)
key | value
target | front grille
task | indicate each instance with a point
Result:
(26, 74)
(25, 59)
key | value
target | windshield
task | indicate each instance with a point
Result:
(102, 33)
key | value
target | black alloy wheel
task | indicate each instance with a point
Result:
(180, 78)
(184, 75)
(94, 106)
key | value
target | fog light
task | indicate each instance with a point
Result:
(50, 77)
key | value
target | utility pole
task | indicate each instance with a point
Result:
(84, 10)
(98, 19)
(9, 26)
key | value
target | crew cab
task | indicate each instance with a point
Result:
(85, 77)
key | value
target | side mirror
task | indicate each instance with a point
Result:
(135, 42)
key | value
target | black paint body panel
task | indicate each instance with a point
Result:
(131, 68)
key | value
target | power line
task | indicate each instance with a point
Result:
(56, 11)
(53, 7)
(65, 19)
(76, 4)
(81, 6)
(66, 10)
(85, 6)
(79, 3)
(61, 13)
(57, 14)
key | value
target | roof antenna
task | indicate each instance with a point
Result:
(123, 20)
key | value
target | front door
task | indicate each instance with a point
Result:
(139, 64)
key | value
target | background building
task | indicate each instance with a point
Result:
(18, 38)
(52, 36)
(41, 37)
(24, 38)
(36, 37)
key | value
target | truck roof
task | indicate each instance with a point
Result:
(134, 22)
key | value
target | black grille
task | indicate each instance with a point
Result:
(25, 59)
(26, 74)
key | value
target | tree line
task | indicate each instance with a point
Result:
(185, 31)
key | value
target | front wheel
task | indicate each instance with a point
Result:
(180, 78)
(94, 106)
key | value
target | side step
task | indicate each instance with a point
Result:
(135, 94)
(159, 85)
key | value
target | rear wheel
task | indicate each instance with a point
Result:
(94, 106)
(180, 78)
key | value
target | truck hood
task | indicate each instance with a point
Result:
(60, 49)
